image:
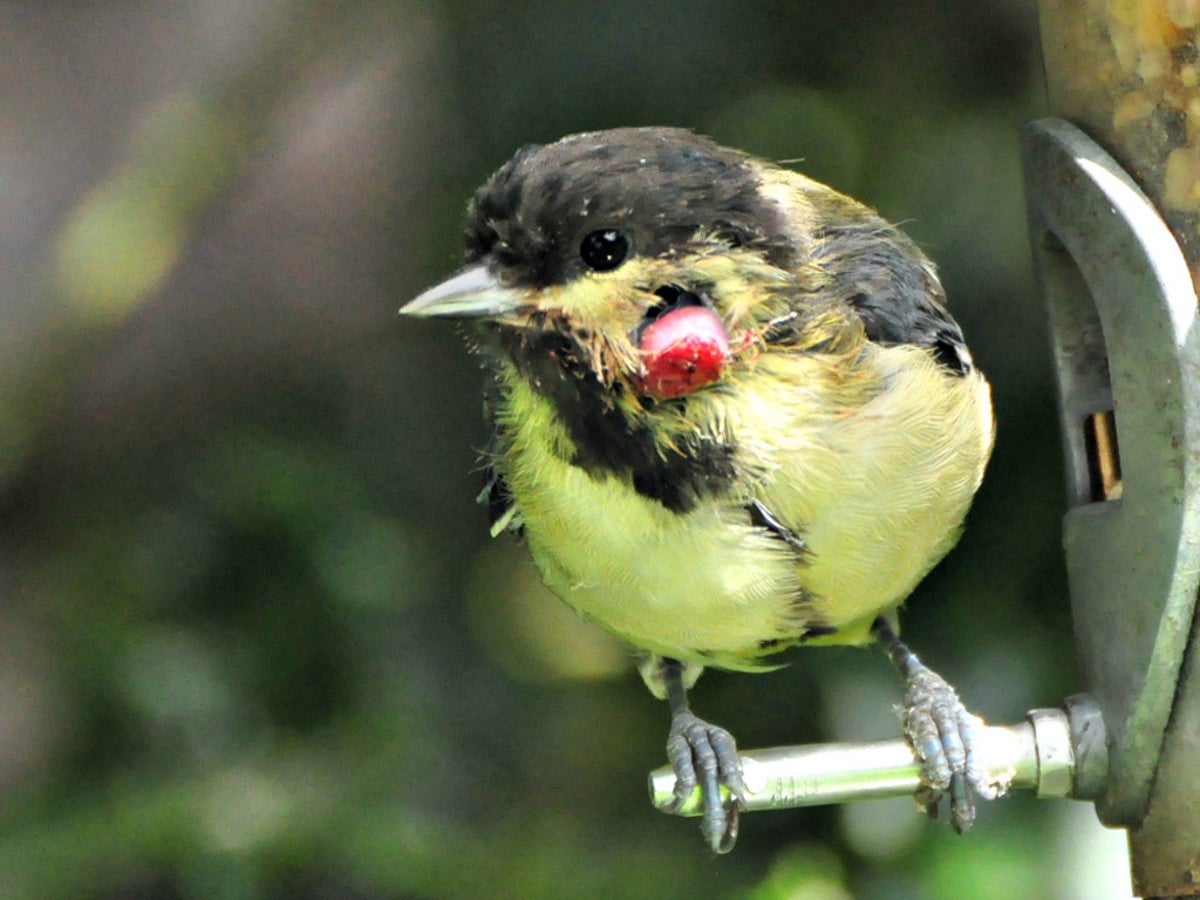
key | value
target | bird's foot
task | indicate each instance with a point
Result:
(706, 756)
(944, 735)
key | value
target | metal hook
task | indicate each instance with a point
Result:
(1123, 319)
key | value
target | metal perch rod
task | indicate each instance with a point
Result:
(1035, 754)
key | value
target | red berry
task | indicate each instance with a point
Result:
(682, 351)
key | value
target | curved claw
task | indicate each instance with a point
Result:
(943, 736)
(706, 756)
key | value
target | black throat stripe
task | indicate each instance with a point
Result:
(606, 442)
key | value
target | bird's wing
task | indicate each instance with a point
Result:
(895, 290)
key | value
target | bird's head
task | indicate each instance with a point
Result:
(649, 259)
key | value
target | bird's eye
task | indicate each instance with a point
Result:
(604, 249)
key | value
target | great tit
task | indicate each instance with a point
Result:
(731, 415)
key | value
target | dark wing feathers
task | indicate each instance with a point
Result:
(894, 289)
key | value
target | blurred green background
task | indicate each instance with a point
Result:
(254, 640)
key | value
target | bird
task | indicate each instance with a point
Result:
(730, 415)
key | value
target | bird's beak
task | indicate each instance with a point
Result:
(470, 293)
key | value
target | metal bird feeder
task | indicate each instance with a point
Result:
(1113, 197)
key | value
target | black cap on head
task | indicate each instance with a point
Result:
(657, 186)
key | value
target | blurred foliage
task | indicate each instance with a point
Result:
(255, 641)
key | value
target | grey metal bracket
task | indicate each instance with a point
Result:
(1126, 347)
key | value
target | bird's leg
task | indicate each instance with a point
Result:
(942, 734)
(705, 755)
